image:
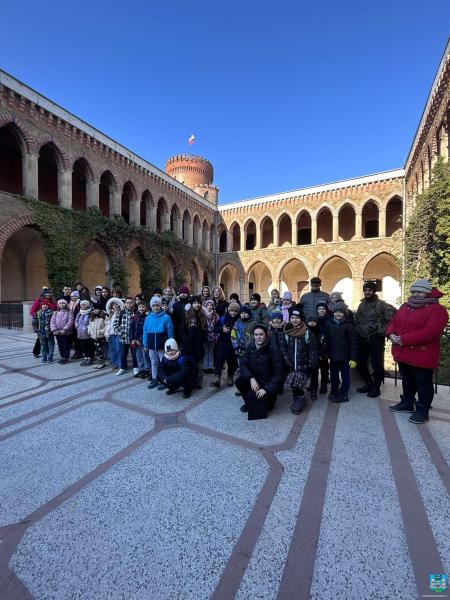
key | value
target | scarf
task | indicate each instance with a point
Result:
(417, 302)
(297, 332)
(85, 311)
(285, 311)
(171, 358)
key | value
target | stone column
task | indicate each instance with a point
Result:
(92, 194)
(241, 288)
(358, 226)
(258, 238)
(314, 229)
(30, 175)
(276, 235)
(65, 189)
(229, 241)
(135, 213)
(444, 143)
(114, 204)
(335, 228)
(27, 326)
(178, 229)
(357, 290)
(294, 232)
(190, 238)
(242, 244)
(382, 223)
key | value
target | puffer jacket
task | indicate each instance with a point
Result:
(62, 322)
(97, 328)
(264, 364)
(310, 301)
(137, 326)
(300, 353)
(420, 330)
(341, 341)
(260, 314)
(158, 328)
(82, 325)
(372, 317)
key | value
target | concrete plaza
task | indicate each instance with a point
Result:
(110, 491)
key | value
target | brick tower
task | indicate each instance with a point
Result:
(196, 173)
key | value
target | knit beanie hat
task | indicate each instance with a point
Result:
(276, 314)
(247, 310)
(62, 302)
(323, 304)
(75, 294)
(234, 306)
(209, 302)
(184, 290)
(260, 326)
(296, 312)
(98, 287)
(170, 344)
(235, 297)
(256, 297)
(339, 307)
(371, 285)
(157, 290)
(311, 317)
(85, 303)
(46, 290)
(155, 301)
(287, 295)
(195, 299)
(422, 285)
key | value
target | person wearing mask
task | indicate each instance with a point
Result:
(371, 319)
(311, 299)
(415, 333)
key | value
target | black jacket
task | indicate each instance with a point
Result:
(192, 340)
(178, 317)
(221, 307)
(264, 364)
(341, 341)
(301, 353)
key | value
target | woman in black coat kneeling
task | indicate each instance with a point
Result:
(261, 375)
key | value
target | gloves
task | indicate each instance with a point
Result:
(352, 364)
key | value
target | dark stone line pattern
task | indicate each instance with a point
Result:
(299, 567)
(425, 558)
(436, 456)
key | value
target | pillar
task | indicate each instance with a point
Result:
(382, 223)
(30, 175)
(27, 326)
(242, 242)
(335, 228)
(276, 235)
(115, 203)
(229, 241)
(65, 189)
(258, 237)
(314, 229)
(135, 215)
(357, 290)
(358, 225)
(92, 194)
(294, 232)
(444, 142)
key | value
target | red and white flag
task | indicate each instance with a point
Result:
(191, 140)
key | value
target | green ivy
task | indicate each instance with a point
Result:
(67, 233)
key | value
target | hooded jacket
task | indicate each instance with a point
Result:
(341, 341)
(310, 300)
(158, 328)
(62, 322)
(420, 330)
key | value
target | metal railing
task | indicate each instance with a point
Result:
(11, 315)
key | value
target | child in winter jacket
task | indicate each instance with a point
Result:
(61, 325)
(137, 336)
(211, 335)
(342, 350)
(82, 325)
(193, 336)
(322, 319)
(224, 347)
(114, 307)
(178, 370)
(158, 327)
(41, 324)
(124, 328)
(97, 332)
(300, 357)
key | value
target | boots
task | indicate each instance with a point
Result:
(420, 415)
(365, 388)
(314, 394)
(230, 381)
(374, 391)
(298, 404)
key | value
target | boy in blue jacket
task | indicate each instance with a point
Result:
(158, 327)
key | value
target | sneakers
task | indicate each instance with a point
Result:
(402, 407)
(153, 383)
(83, 363)
(100, 366)
(418, 417)
(215, 382)
(50, 359)
(338, 399)
(44, 359)
(135, 371)
(121, 372)
(161, 387)
(365, 388)
(230, 381)
(187, 393)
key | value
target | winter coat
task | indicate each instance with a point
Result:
(124, 326)
(137, 327)
(224, 344)
(341, 341)
(82, 324)
(178, 315)
(322, 323)
(62, 322)
(221, 306)
(300, 353)
(41, 322)
(420, 330)
(275, 303)
(38, 303)
(97, 328)
(158, 328)
(192, 339)
(310, 300)
(264, 364)
(372, 317)
(182, 363)
(260, 314)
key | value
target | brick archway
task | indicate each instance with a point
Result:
(11, 227)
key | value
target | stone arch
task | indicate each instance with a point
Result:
(394, 215)
(222, 235)
(26, 141)
(162, 215)
(371, 198)
(107, 187)
(337, 275)
(383, 268)
(94, 267)
(235, 236)
(12, 152)
(194, 281)
(284, 224)
(186, 227)
(50, 167)
(196, 231)
(249, 234)
(134, 268)
(169, 270)
(212, 237)
(347, 222)
(266, 231)
(324, 224)
(259, 279)
(293, 276)
(303, 221)
(23, 261)
(205, 235)
(370, 219)
(64, 160)
(81, 174)
(175, 220)
(229, 279)
(145, 209)
(128, 200)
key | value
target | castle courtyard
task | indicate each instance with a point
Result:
(109, 490)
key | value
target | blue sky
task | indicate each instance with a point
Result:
(279, 95)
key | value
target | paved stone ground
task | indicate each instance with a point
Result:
(110, 491)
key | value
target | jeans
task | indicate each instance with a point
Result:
(340, 368)
(124, 356)
(143, 361)
(155, 359)
(114, 350)
(417, 380)
(64, 343)
(47, 346)
(208, 357)
(372, 347)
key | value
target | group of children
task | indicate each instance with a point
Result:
(173, 341)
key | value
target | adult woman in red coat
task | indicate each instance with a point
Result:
(415, 333)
